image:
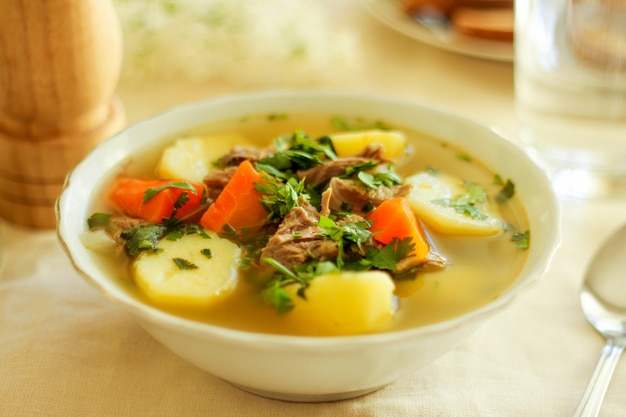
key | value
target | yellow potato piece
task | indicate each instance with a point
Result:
(159, 277)
(344, 303)
(427, 188)
(192, 158)
(350, 143)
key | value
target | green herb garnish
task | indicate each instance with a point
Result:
(183, 185)
(143, 238)
(280, 198)
(467, 203)
(345, 234)
(274, 292)
(386, 178)
(298, 152)
(432, 171)
(98, 220)
(388, 257)
(521, 240)
(506, 192)
(358, 123)
(184, 264)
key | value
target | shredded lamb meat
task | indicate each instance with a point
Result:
(299, 239)
(345, 191)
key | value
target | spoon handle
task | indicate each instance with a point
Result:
(591, 400)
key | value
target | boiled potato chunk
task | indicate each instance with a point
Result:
(430, 188)
(344, 303)
(190, 272)
(350, 143)
(192, 158)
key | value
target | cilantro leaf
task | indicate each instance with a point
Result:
(467, 203)
(297, 152)
(506, 192)
(521, 240)
(358, 123)
(178, 230)
(184, 264)
(274, 292)
(280, 198)
(183, 185)
(143, 238)
(346, 233)
(97, 220)
(375, 180)
(388, 257)
(277, 297)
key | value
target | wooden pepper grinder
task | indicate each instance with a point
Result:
(59, 66)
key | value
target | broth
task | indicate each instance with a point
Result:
(480, 269)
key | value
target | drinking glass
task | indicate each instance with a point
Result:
(570, 88)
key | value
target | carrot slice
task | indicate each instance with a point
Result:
(129, 196)
(394, 219)
(238, 204)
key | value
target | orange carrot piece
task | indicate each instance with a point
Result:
(238, 204)
(128, 195)
(394, 219)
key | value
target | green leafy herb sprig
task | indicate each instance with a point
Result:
(279, 198)
(274, 292)
(297, 151)
(387, 177)
(468, 203)
(521, 240)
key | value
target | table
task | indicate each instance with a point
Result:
(65, 350)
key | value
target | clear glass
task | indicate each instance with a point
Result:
(570, 86)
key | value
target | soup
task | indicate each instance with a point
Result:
(473, 267)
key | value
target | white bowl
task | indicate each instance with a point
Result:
(308, 368)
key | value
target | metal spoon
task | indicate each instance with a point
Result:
(603, 300)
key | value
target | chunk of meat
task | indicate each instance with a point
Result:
(119, 224)
(321, 174)
(242, 153)
(433, 262)
(359, 197)
(217, 180)
(299, 239)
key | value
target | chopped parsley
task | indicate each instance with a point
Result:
(280, 198)
(299, 151)
(184, 264)
(386, 178)
(345, 234)
(183, 185)
(432, 171)
(178, 230)
(468, 203)
(143, 238)
(207, 253)
(357, 123)
(506, 192)
(277, 116)
(146, 238)
(98, 220)
(464, 157)
(274, 292)
(521, 240)
(387, 258)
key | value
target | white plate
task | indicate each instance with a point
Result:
(391, 14)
